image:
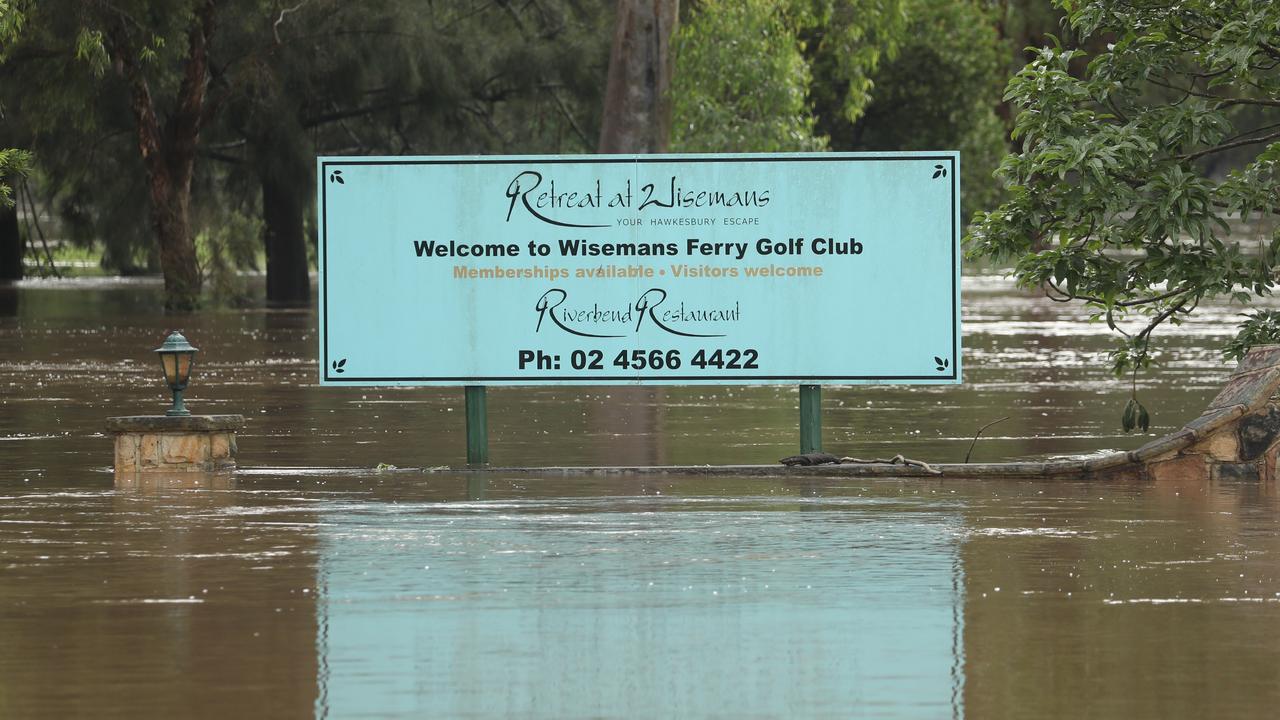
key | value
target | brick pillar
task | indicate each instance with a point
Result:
(160, 444)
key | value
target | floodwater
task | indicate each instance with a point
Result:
(320, 585)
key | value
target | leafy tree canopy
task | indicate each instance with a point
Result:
(1119, 198)
(286, 81)
(745, 68)
(13, 163)
(940, 92)
(741, 81)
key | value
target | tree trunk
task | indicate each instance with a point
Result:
(171, 221)
(286, 245)
(11, 250)
(168, 154)
(637, 102)
(637, 120)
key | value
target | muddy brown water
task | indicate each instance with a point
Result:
(321, 586)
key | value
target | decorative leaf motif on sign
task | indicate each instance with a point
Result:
(939, 171)
(336, 177)
(338, 365)
(944, 364)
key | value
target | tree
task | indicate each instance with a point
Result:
(844, 42)
(939, 92)
(1116, 201)
(75, 118)
(13, 163)
(285, 82)
(742, 81)
(160, 56)
(168, 146)
(135, 37)
(756, 75)
(396, 77)
(637, 99)
(1024, 26)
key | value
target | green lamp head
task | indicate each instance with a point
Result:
(176, 356)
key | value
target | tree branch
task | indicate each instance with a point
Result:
(1228, 102)
(1275, 209)
(1250, 132)
(1225, 102)
(337, 115)
(1155, 322)
(221, 157)
(1067, 297)
(140, 101)
(183, 129)
(275, 26)
(1230, 145)
(568, 116)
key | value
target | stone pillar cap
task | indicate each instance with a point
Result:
(171, 423)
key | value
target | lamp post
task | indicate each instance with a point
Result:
(177, 449)
(176, 355)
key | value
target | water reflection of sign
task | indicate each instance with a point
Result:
(457, 610)
(653, 269)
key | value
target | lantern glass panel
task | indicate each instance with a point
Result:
(170, 362)
(184, 368)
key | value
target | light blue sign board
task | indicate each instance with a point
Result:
(655, 269)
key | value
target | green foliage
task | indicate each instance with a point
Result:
(1112, 200)
(741, 80)
(286, 82)
(749, 73)
(805, 75)
(846, 40)
(1025, 25)
(1261, 327)
(229, 243)
(13, 164)
(70, 103)
(12, 20)
(13, 17)
(940, 92)
(92, 51)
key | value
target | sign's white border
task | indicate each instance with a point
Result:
(327, 164)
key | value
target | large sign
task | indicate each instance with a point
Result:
(659, 269)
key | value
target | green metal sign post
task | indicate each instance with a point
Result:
(810, 419)
(477, 425)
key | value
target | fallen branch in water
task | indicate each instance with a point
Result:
(895, 460)
(810, 459)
